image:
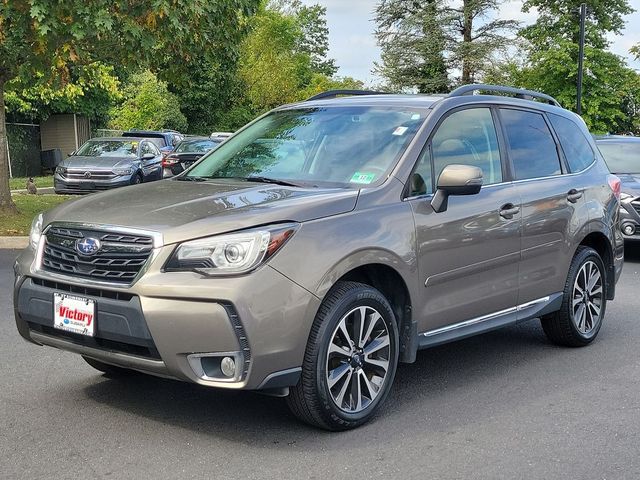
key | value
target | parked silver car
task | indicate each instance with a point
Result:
(330, 240)
(108, 162)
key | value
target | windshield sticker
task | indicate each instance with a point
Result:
(364, 178)
(400, 131)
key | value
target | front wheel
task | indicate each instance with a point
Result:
(584, 301)
(350, 361)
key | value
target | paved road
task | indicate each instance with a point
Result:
(506, 405)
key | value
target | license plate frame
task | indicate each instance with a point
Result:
(74, 314)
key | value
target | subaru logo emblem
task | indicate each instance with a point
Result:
(88, 246)
(87, 174)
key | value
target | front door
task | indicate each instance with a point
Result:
(468, 255)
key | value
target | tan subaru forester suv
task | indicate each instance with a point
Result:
(329, 240)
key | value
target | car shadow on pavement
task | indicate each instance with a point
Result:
(442, 375)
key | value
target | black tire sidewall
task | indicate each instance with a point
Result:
(583, 257)
(364, 296)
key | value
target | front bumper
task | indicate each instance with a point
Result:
(67, 185)
(155, 325)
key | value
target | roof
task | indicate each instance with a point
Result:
(147, 134)
(118, 139)
(617, 139)
(390, 100)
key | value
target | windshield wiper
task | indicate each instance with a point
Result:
(190, 179)
(275, 181)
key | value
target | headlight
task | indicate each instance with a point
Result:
(36, 232)
(230, 254)
(60, 170)
(123, 171)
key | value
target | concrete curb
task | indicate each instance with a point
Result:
(13, 243)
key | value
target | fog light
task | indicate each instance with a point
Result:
(228, 366)
(628, 229)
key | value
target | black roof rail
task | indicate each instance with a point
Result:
(517, 92)
(343, 93)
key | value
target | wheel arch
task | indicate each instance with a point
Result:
(393, 286)
(601, 244)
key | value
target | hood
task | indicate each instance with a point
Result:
(97, 163)
(630, 183)
(185, 210)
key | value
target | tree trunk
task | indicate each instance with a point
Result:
(467, 74)
(6, 203)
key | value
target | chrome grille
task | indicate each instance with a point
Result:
(90, 174)
(119, 259)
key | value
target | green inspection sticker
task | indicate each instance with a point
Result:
(365, 178)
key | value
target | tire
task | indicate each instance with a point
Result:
(578, 321)
(137, 179)
(347, 403)
(108, 370)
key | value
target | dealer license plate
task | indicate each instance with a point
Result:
(74, 314)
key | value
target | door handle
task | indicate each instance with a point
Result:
(509, 210)
(574, 195)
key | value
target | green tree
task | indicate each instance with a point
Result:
(45, 37)
(271, 67)
(424, 43)
(611, 89)
(284, 58)
(148, 105)
(91, 90)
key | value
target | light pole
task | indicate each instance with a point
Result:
(583, 19)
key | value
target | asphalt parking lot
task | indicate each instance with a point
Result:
(505, 405)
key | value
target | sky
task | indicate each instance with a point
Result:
(353, 45)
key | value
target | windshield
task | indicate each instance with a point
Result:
(195, 146)
(109, 148)
(338, 146)
(621, 157)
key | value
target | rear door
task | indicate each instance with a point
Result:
(468, 255)
(552, 202)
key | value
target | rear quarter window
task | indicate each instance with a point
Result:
(575, 145)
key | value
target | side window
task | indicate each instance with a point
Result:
(574, 144)
(153, 149)
(147, 148)
(468, 137)
(531, 146)
(421, 183)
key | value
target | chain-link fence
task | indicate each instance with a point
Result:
(24, 149)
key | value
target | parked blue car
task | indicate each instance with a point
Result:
(108, 162)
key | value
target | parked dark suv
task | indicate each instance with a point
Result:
(622, 154)
(330, 240)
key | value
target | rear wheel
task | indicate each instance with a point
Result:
(350, 361)
(578, 321)
(109, 370)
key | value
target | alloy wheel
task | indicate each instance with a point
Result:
(587, 298)
(358, 359)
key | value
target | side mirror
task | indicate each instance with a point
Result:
(148, 156)
(456, 180)
(72, 153)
